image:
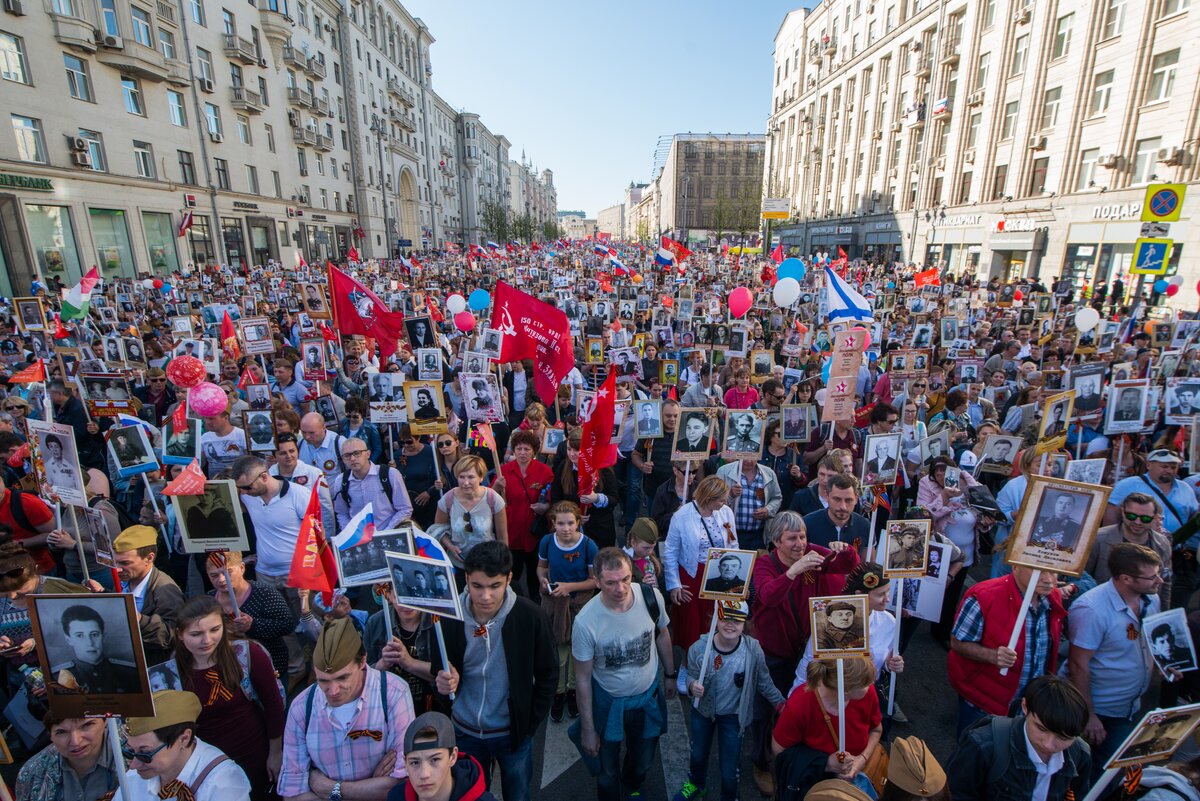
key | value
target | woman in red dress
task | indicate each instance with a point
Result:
(525, 484)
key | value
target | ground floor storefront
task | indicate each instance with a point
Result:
(58, 224)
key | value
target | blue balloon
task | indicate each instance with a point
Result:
(1160, 286)
(891, 284)
(166, 288)
(791, 268)
(479, 300)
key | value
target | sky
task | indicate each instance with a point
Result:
(586, 89)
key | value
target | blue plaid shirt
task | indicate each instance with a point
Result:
(752, 499)
(968, 627)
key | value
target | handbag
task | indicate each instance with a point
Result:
(876, 768)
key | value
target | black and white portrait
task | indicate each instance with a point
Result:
(181, 447)
(693, 435)
(260, 431)
(380, 388)
(797, 422)
(907, 548)
(313, 351)
(59, 460)
(365, 563)
(1126, 408)
(743, 433)
(481, 397)
(426, 407)
(648, 417)
(1183, 400)
(726, 574)
(258, 397)
(762, 362)
(492, 342)
(935, 446)
(1087, 385)
(426, 585)
(627, 362)
(420, 332)
(429, 364)
(324, 405)
(1056, 524)
(130, 447)
(839, 626)
(881, 459)
(30, 314)
(114, 351)
(1086, 471)
(165, 676)
(256, 334)
(90, 648)
(552, 437)
(211, 521)
(1170, 641)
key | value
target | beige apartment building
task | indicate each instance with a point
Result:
(1000, 137)
(286, 129)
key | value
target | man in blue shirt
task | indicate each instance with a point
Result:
(838, 522)
(1109, 661)
(286, 383)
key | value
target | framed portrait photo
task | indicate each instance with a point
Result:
(362, 563)
(482, 398)
(56, 460)
(1056, 524)
(668, 372)
(999, 451)
(165, 676)
(935, 446)
(1056, 419)
(1169, 641)
(426, 407)
(593, 351)
(727, 574)
(1125, 412)
(491, 342)
(426, 585)
(647, 415)
(260, 431)
(30, 314)
(1182, 401)
(881, 459)
(1156, 736)
(315, 304)
(312, 355)
(552, 437)
(256, 334)
(106, 394)
(130, 447)
(211, 521)
(475, 362)
(906, 549)
(1086, 471)
(693, 435)
(420, 332)
(324, 405)
(839, 626)
(429, 364)
(799, 420)
(744, 433)
(90, 650)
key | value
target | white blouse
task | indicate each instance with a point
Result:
(690, 537)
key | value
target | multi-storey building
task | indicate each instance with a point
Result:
(1001, 137)
(484, 179)
(633, 196)
(611, 220)
(287, 128)
(532, 193)
(709, 184)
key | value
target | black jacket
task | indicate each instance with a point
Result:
(974, 774)
(529, 651)
(90, 446)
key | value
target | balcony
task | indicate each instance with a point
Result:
(315, 68)
(300, 97)
(304, 136)
(245, 100)
(924, 67)
(829, 45)
(324, 143)
(166, 12)
(950, 51)
(178, 72)
(240, 49)
(74, 32)
(405, 120)
(294, 58)
(321, 105)
(276, 24)
(134, 59)
(398, 145)
(446, 151)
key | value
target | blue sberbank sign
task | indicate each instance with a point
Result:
(26, 182)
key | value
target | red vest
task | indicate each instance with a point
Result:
(981, 683)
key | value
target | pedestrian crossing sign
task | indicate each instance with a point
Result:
(1150, 256)
(1163, 203)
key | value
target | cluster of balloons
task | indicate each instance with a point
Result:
(791, 268)
(1170, 286)
(203, 397)
(461, 308)
(157, 283)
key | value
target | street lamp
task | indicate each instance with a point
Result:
(379, 128)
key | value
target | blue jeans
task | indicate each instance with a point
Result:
(633, 492)
(729, 738)
(516, 764)
(1116, 730)
(968, 713)
(617, 780)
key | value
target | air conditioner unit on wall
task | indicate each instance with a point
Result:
(14, 7)
(216, 137)
(1037, 143)
(76, 143)
(206, 86)
(1171, 156)
(1110, 161)
(113, 42)
(82, 159)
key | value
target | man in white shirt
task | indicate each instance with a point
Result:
(221, 444)
(288, 465)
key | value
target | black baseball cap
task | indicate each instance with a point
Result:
(442, 728)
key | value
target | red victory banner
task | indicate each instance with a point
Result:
(313, 566)
(534, 330)
(190, 482)
(358, 310)
(595, 449)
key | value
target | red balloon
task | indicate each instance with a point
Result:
(668, 301)
(1172, 290)
(464, 321)
(740, 301)
(185, 372)
(1018, 294)
(158, 283)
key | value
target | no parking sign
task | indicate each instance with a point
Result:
(1163, 203)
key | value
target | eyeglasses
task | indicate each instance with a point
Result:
(145, 756)
(158, 380)
(253, 481)
(1155, 576)
(16, 572)
(468, 525)
(891, 421)
(1130, 516)
(446, 444)
(780, 397)
(353, 454)
(408, 441)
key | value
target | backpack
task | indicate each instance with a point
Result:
(385, 480)
(652, 607)
(241, 649)
(1001, 753)
(123, 517)
(17, 510)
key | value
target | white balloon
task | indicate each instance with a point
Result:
(148, 283)
(1086, 319)
(820, 396)
(1175, 280)
(456, 303)
(786, 292)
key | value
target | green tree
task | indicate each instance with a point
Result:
(495, 222)
(550, 230)
(642, 231)
(523, 227)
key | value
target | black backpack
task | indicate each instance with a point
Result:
(385, 480)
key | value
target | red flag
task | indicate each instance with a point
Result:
(777, 254)
(33, 374)
(928, 278)
(678, 250)
(596, 450)
(190, 482)
(327, 332)
(229, 338)
(358, 310)
(352, 253)
(179, 419)
(185, 223)
(534, 330)
(246, 378)
(435, 314)
(313, 565)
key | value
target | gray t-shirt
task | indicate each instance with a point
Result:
(620, 645)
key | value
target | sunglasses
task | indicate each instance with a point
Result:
(14, 408)
(253, 481)
(468, 525)
(1130, 516)
(16, 572)
(145, 756)
(407, 441)
(446, 444)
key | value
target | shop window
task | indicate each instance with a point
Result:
(110, 233)
(160, 241)
(53, 241)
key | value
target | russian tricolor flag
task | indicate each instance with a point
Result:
(618, 267)
(425, 546)
(492, 245)
(358, 531)
(664, 257)
(601, 249)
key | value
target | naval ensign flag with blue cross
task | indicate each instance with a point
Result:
(844, 302)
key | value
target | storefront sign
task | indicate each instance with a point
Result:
(319, 218)
(1117, 211)
(1003, 226)
(821, 230)
(958, 220)
(884, 226)
(242, 205)
(845, 229)
(189, 201)
(26, 182)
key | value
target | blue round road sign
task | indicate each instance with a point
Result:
(1164, 202)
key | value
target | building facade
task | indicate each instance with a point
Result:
(611, 220)
(710, 186)
(532, 193)
(1000, 137)
(294, 128)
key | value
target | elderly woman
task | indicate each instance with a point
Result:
(954, 519)
(706, 522)
(784, 579)
(525, 484)
(472, 512)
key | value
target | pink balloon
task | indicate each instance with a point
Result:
(740, 301)
(207, 399)
(866, 335)
(464, 321)
(1172, 290)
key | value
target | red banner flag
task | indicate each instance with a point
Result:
(313, 564)
(928, 278)
(596, 450)
(534, 330)
(246, 378)
(190, 482)
(33, 374)
(777, 254)
(179, 419)
(358, 310)
(229, 339)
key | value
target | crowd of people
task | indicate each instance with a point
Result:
(594, 610)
